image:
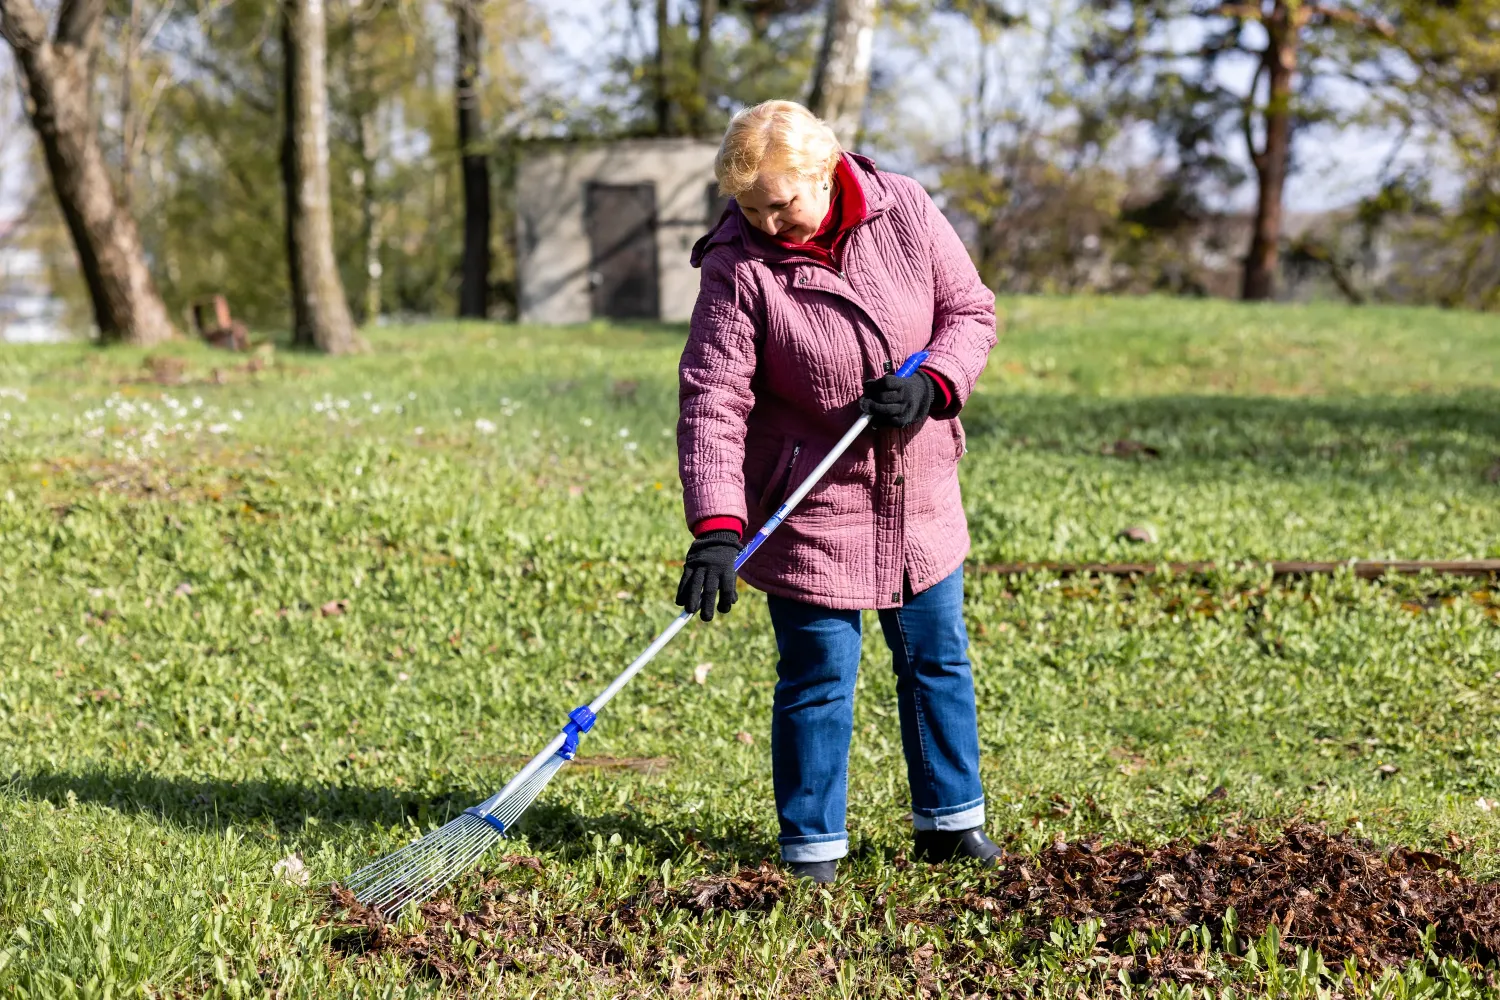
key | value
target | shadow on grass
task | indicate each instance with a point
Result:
(215, 804)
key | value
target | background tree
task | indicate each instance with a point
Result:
(1026, 178)
(57, 70)
(1171, 62)
(841, 76)
(689, 78)
(1443, 93)
(355, 40)
(320, 313)
(699, 114)
(473, 296)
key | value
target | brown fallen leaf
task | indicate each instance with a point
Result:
(1126, 448)
(1138, 533)
(332, 608)
(744, 738)
(1386, 770)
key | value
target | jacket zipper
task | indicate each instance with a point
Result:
(786, 476)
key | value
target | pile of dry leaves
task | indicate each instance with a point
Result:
(1335, 893)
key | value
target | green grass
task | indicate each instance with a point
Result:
(177, 714)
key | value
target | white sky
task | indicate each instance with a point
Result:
(15, 174)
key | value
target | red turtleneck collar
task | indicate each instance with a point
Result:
(846, 209)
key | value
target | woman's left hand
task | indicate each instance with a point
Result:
(898, 401)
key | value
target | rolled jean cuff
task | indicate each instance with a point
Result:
(965, 816)
(824, 847)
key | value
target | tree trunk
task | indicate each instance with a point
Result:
(1272, 161)
(320, 313)
(366, 107)
(703, 60)
(663, 100)
(371, 231)
(841, 78)
(474, 291)
(58, 78)
(127, 106)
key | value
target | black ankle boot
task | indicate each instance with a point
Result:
(819, 872)
(944, 845)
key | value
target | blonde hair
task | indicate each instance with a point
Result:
(781, 137)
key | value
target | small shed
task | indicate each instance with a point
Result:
(604, 229)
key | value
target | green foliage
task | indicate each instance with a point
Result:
(1441, 91)
(498, 506)
(760, 50)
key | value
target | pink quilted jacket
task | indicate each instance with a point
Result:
(776, 360)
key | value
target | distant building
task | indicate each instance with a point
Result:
(29, 312)
(604, 229)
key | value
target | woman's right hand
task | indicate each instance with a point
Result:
(708, 574)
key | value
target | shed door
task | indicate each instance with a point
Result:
(621, 223)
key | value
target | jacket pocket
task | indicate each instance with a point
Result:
(959, 446)
(780, 483)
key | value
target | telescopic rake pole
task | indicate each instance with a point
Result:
(420, 869)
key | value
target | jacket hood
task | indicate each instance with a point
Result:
(730, 229)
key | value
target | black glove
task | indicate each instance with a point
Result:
(897, 401)
(708, 572)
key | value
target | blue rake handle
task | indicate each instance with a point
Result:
(581, 719)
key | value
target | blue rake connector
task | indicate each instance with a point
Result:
(478, 813)
(580, 721)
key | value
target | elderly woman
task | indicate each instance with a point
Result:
(820, 278)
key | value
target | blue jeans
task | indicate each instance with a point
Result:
(813, 716)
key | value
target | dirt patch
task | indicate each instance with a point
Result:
(171, 370)
(1337, 894)
(221, 475)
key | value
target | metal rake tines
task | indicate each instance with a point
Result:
(509, 809)
(421, 868)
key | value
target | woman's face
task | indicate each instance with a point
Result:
(788, 206)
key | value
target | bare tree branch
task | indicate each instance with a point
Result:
(78, 22)
(1257, 156)
(1378, 25)
(1241, 11)
(22, 25)
(1253, 12)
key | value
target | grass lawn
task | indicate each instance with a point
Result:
(317, 607)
